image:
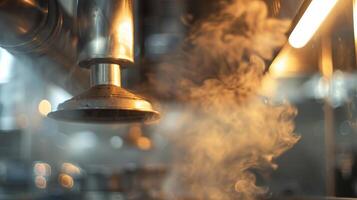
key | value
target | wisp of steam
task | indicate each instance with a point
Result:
(228, 130)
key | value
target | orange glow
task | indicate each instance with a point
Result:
(279, 65)
(66, 181)
(135, 132)
(326, 65)
(70, 168)
(40, 182)
(284, 64)
(124, 30)
(144, 143)
(30, 2)
(42, 169)
(355, 22)
(310, 22)
(44, 107)
(141, 104)
(269, 86)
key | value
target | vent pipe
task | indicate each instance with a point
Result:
(106, 46)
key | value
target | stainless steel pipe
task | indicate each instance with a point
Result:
(106, 32)
(106, 38)
(105, 74)
(106, 41)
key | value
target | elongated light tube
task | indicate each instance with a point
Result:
(355, 23)
(310, 22)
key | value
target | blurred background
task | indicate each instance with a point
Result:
(41, 158)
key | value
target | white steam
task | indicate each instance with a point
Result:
(228, 130)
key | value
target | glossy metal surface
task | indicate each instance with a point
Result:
(106, 32)
(40, 27)
(105, 74)
(41, 30)
(106, 104)
(106, 40)
(29, 25)
(22, 19)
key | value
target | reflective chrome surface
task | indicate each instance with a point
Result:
(106, 39)
(105, 74)
(106, 32)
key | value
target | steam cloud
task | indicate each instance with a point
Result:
(228, 130)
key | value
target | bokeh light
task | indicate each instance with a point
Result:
(44, 107)
(116, 142)
(144, 143)
(42, 169)
(70, 168)
(40, 182)
(66, 181)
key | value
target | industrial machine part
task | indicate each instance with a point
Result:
(29, 25)
(106, 32)
(106, 41)
(42, 30)
(105, 104)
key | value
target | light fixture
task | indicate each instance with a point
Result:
(310, 22)
(355, 21)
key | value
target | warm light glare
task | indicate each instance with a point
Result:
(144, 143)
(279, 65)
(134, 132)
(66, 181)
(30, 2)
(326, 65)
(269, 86)
(355, 21)
(70, 168)
(44, 107)
(125, 32)
(284, 64)
(309, 23)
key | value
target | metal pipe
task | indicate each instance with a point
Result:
(106, 32)
(40, 29)
(105, 74)
(106, 40)
(326, 68)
